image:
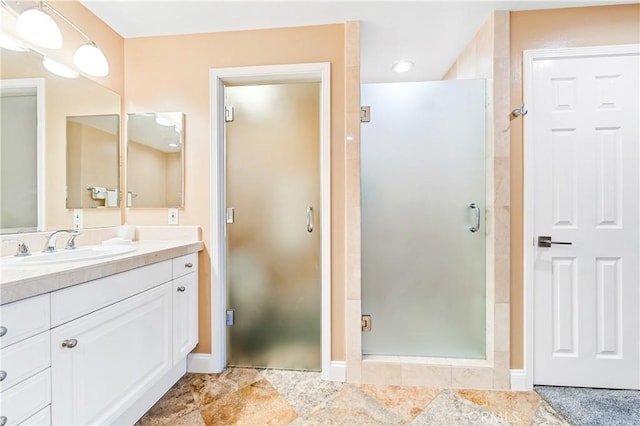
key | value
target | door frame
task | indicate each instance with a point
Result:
(289, 73)
(529, 58)
(37, 85)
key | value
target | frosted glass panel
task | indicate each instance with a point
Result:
(423, 270)
(273, 178)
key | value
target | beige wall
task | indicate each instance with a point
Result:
(575, 27)
(172, 74)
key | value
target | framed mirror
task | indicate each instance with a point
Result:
(155, 160)
(93, 161)
(39, 173)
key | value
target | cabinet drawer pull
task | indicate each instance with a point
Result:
(3, 375)
(3, 331)
(70, 343)
(3, 420)
(188, 265)
(181, 289)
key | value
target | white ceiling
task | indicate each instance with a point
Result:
(429, 33)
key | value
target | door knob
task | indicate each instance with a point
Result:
(70, 343)
(545, 241)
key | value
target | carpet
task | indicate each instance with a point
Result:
(586, 406)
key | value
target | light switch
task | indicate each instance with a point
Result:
(173, 216)
(230, 215)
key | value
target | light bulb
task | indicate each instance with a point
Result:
(58, 69)
(88, 58)
(7, 42)
(38, 28)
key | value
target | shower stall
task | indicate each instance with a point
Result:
(423, 219)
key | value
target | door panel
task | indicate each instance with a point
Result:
(584, 118)
(273, 185)
(423, 269)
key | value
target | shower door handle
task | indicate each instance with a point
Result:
(475, 228)
(309, 219)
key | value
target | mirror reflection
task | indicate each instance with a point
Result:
(155, 161)
(18, 157)
(56, 98)
(92, 161)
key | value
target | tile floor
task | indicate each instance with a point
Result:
(248, 396)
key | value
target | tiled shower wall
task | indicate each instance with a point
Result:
(486, 57)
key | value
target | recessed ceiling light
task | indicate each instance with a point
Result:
(402, 66)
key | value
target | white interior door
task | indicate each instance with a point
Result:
(582, 130)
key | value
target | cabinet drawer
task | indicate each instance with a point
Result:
(73, 302)
(27, 398)
(23, 319)
(41, 418)
(24, 359)
(185, 264)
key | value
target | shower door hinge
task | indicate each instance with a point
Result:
(365, 323)
(365, 114)
(228, 114)
(230, 317)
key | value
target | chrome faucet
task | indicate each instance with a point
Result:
(50, 244)
(23, 248)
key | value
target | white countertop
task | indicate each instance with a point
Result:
(20, 282)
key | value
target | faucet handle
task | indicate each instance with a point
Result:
(23, 248)
(71, 242)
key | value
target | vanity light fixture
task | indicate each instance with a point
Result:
(37, 27)
(8, 43)
(90, 59)
(59, 69)
(402, 66)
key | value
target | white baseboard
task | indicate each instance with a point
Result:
(519, 380)
(201, 363)
(337, 372)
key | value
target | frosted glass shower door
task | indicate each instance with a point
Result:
(423, 193)
(273, 232)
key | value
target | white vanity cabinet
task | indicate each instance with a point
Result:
(100, 352)
(24, 360)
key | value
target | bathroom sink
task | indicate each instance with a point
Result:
(63, 256)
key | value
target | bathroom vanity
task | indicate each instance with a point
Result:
(96, 342)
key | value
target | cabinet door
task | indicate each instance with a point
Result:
(185, 315)
(102, 362)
